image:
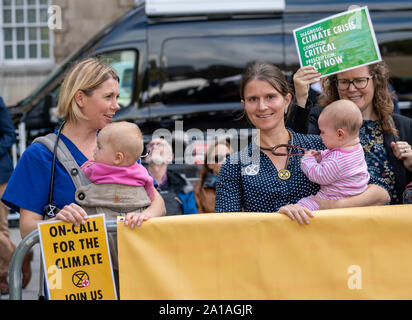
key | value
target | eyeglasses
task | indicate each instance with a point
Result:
(153, 144)
(145, 155)
(358, 83)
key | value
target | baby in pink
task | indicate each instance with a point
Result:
(119, 146)
(341, 170)
(134, 175)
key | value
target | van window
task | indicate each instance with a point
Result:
(396, 52)
(203, 70)
(124, 63)
(393, 33)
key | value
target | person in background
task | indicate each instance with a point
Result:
(396, 108)
(7, 247)
(307, 79)
(175, 188)
(386, 137)
(205, 190)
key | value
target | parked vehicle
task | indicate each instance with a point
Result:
(181, 69)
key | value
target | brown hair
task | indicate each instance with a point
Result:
(382, 102)
(205, 170)
(265, 71)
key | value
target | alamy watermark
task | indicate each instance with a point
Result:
(55, 17)
(355, 279)
(185, 143)
(54, 277)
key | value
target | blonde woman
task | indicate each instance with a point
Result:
(87, 102)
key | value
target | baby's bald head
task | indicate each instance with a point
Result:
(343, 114)
(124, 137)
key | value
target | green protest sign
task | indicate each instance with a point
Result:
(339, 42)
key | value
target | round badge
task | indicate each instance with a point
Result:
(251, 170)
(284, 174)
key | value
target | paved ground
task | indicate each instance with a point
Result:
(31, 291)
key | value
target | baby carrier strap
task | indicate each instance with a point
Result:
(116, 197)
(66, 159)
(69, 163)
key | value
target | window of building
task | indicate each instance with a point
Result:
(24, 33)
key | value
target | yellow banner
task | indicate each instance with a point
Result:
(76, 260)
(356, 253)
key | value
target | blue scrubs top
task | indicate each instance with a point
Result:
(28, 187)
(29, 184)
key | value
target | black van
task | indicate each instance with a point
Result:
(185, 69)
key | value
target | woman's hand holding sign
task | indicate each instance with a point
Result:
(72, 213)
(302, 80)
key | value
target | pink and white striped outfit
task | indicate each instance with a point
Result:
(341, 173)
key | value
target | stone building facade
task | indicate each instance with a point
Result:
(29, 50)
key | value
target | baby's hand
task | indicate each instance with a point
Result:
(135, 219)
(317, 155)
(313, 153)
(308, 153)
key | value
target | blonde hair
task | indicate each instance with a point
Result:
(86, 76)
(343, 114)
(124, 137)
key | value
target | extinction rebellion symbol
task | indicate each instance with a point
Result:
(81, 279)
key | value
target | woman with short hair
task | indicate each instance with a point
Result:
(87, 103)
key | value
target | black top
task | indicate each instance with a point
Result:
(7, 139)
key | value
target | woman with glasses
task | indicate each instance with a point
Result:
(386, 137)
(205, 191)
(266, 176)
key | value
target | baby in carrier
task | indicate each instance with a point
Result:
(119, 184)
